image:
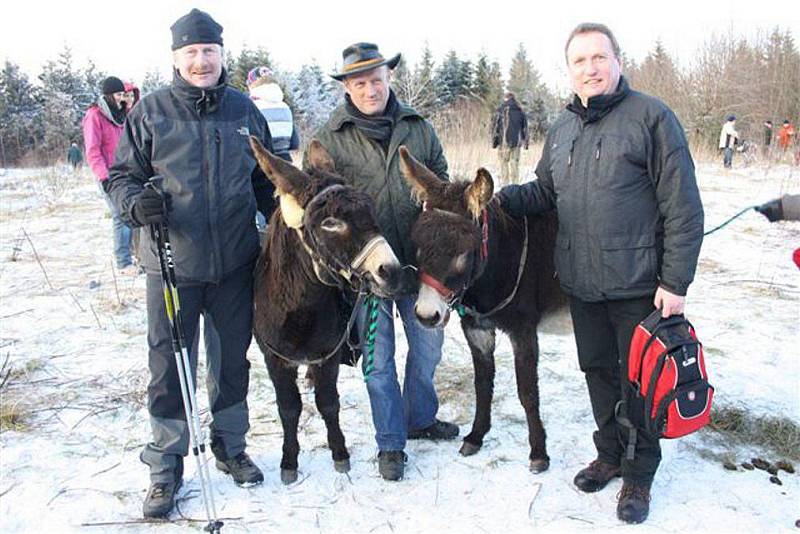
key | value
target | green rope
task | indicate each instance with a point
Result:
(460, 310)
(371, 303)
(723, 225)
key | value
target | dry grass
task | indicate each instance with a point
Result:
(778, 434)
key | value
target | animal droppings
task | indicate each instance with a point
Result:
(758, 463)
(730, 466)
(775, 480)
(785, 466)
(747, 466)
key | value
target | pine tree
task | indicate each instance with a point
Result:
(534, 97)
(314, 97)
(20, 109)
(453, 79)
(248, 59)
(65, 97)
(487, 82)
(153, 81)
(658, 76)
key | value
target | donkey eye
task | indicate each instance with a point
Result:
(334, 225)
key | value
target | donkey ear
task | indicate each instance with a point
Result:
(318, 158)
(288, 182)
(422, 181)
(479, 192)
(286, 177)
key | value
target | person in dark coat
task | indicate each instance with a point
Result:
(74, 156)
(195, 136)
(363, 136)
(510, 134)
(616, 166)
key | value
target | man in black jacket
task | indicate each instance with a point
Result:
(510, 134)
(617, 168)
(195, 136)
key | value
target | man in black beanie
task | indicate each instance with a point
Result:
(194, 135)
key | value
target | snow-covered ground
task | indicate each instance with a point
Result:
(75, 342)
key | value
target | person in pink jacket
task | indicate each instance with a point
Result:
(131, 96)
(102, 128)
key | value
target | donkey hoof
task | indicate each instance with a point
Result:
(540, 465)
(468, 449)
(342, 466)
(288, 476)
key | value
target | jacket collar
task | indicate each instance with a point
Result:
(599, 106)
(105, 110)
(204, 101)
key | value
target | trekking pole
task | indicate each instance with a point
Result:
(160, 235)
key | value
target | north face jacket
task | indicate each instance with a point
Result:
(198, 141)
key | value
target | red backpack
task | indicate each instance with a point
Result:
(668, 391)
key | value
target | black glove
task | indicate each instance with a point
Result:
(150, 207)
(772, 210)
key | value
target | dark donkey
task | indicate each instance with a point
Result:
(322, 242)
(498, 272)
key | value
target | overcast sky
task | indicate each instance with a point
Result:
(129, 38)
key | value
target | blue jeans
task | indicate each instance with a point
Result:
(395, 413)
(122, 235)
(727, 157)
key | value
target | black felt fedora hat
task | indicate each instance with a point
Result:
(361, 57)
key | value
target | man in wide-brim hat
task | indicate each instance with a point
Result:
(363, 135)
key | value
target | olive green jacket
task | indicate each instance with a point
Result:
(362, 162)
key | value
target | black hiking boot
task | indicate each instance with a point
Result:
(392, 464)
(634, 502)
(242, 469)
(595, 476)
(160, 499)
(438, 430)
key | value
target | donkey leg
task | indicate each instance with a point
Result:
(326, 396)
(526, 362)
(481, 343)
(284, 379)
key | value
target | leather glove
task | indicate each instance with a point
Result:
(150, 207)
(772, 210)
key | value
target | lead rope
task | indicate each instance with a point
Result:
(371, 304)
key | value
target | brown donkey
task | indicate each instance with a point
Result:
(322, 247)
(498, 273)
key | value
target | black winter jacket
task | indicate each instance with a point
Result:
(198, 141)
(510, 126)
(622, 179)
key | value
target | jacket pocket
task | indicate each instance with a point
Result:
(563, 262)
(628, 262)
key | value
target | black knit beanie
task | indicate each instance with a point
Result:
(195, 27)
(112, 85)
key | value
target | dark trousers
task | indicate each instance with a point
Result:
(227, 309)
(603, 333)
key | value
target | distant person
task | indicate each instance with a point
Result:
(129, 100)
(74, 156)
(131, 97)
(510, 134)
(268, 98)
(768, 131)
(728, 137)
(102, 128)
(785, 137)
